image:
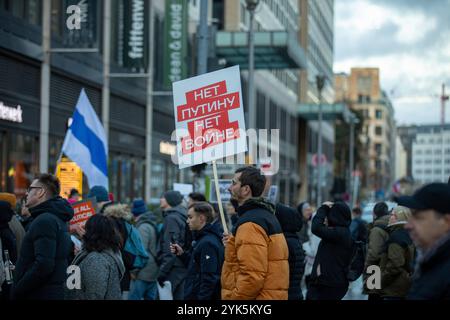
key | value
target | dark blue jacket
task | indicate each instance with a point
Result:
(334, 252)
(432, 282)
(204, 262)
(43, 261)
(358, 230)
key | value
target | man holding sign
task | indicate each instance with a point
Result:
(256, 254)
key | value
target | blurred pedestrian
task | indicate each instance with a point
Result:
(143, 286)
(291, 222)
(8, 241)
(231, 208)
(194, 197)
(329, 275)
(397, 259)
(74, 196)
(378, 236)
(171, 267)
(100, 262)
(14, 224)
(256, 254)
(358, 227)
(101, 196)
(429, 228)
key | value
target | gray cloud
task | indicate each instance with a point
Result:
(383, 41)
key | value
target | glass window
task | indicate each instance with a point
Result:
(379, 114)
(378, 130)
(20, 162)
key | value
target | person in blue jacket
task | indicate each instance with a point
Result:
(205, 259)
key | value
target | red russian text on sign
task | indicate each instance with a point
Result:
(209, 131)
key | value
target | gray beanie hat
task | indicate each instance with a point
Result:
(173, 198)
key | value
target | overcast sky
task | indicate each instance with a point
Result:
(409, 40)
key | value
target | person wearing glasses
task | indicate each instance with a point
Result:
(43, 261)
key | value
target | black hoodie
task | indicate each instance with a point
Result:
(334, 252)
(291, 222)
(41, 268)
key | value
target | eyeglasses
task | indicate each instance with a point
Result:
(31, 187)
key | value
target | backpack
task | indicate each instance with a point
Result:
(357, 260)
(134, 250)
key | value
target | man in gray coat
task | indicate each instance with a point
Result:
(143, 285)
(171, 267)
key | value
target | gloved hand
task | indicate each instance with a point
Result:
(161, 280)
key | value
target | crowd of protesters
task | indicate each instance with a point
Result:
(271, 251)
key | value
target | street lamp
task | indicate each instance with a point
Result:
(251, 6)
(320, 82)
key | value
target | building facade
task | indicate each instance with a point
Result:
(431, 154)
(361, 90)
(21, 61)
(316, 21)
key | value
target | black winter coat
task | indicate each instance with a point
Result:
(291, 222)
(204, 263)
(432, 282)
(333, 255)
(42, 265)
(6, 235)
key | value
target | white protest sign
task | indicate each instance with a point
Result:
(209, 117)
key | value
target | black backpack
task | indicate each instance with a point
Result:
(357, 260)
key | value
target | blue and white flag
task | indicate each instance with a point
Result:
(85, 143)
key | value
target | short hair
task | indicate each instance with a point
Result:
(381, 209)
(203, 208)
(50, 182)
(357, 210)
(197, 196)
(252, 177)
(101, 234)
(73, 192)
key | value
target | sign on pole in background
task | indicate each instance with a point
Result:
(273, 194)
(183, 188)
(132, 32)
(175, 41)
(82, 211)
(225, 195)
(70, 177)
(209, 117)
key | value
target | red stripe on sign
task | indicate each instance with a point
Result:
(208, 132)
(203, 93)
(208, 107)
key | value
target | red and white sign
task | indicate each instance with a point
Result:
(82, 211)
(209, 117)
(315, 159)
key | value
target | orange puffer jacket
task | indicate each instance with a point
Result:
(256, 257)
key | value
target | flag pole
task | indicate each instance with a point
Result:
(219, 200)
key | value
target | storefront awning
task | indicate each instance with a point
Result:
(273, 49)
(330, 112)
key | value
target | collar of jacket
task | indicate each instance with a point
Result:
(178, 209)
(207, 229)
(57, 206)
(256, 203)
(440, 247)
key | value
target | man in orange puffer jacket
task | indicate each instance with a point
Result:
(256, 263)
